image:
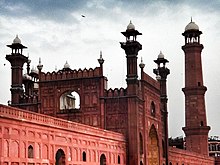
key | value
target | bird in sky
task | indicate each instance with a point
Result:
(83, 16)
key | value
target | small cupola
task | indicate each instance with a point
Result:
(16, 46)
(192, 33)
(66, 66)
(130, 33)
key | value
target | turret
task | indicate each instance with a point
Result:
(161, 75)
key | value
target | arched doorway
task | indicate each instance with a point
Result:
(60, 157)
(69, 101)
(153, 147)
(102, 160)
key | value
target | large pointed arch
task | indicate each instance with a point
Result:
(153, 147)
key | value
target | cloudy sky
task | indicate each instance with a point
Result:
(55, 31)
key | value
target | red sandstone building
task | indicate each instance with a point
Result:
(70, 117)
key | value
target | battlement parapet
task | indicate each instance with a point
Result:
(70, 74)
(116, 92)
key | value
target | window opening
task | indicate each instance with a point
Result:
(119, 160)
(102, 160)
(152, 108)
(30, 152)
(84, 156)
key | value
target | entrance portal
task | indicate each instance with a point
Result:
(102, 160)
(60, 157)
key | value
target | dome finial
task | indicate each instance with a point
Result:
(141, 65)
(161, 55)
(101, 60)
(100, 54)
(16, 40)
(39, 66)
(130, 26)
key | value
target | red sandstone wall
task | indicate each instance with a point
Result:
(185, 157)
(116, 111)
(20, 129)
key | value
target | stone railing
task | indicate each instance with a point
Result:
(36, 118)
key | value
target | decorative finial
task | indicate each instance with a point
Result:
(100, 54)
(39, 66)
(141, 65)
(29, 61)
(55, 68)
(191, 18)
(101, 60)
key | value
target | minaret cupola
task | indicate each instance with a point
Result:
(16, 46)
(192, 33)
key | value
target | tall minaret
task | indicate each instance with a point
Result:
(17, 61)
(196, 129)
(132, 47)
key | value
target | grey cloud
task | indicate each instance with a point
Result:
(60, 10)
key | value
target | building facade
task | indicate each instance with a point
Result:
(83, 122)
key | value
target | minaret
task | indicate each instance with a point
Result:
(131, 47)
(161, 75)
(17, 61)
(196, 129)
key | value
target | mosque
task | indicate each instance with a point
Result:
(70, 117)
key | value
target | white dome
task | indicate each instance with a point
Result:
(191, 26)
(66, 65)
(34, 70)
(130, 26)
(161, 55)
(16, 40)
